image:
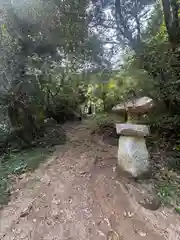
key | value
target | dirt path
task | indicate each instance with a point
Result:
(77, 195)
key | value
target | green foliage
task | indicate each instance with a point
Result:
(100, 119)
(4, 190)
(168, 186)
(42, 63)
(27, 160)
(164, 121)
(18, 163)
(174, 162)
(177, 209)
(168, 192)
(46, 53)
(104, 124)
(3, 133)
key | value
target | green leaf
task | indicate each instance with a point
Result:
(177, 209)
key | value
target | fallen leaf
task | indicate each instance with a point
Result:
(112, 235)
(140, 233)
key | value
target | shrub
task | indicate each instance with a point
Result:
(104, 125)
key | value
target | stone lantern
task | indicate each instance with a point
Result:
(133, 156)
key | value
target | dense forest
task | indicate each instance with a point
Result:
(60, 58)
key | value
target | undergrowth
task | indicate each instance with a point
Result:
(16, 163)
(165, 159)
(103, 121)
(16, 160)
(104, 124)
(164, 146)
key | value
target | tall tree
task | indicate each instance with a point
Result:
(127, 18)
(171, 16)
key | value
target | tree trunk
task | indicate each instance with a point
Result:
(170, 10)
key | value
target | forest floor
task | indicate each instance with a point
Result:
(78, 195)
